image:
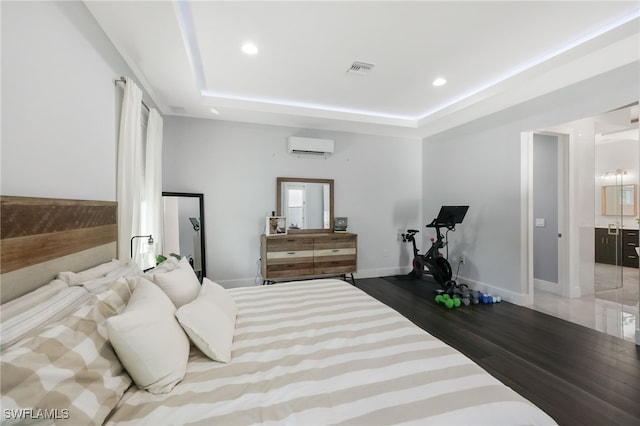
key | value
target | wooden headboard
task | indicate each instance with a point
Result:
(40, 237)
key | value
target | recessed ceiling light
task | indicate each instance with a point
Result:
(249, 48)
(439, 81)
(215, 111)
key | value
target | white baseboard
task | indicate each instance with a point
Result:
(506, 295)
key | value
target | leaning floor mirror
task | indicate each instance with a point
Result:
(184, 228)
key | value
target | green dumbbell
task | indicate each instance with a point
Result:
(447, 301)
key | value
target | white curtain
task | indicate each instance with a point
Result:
(130, 169)
(152, 219)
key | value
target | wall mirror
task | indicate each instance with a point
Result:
(306, 203)
(184, 228)
(620, 200)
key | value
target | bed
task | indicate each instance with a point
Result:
(159, 348)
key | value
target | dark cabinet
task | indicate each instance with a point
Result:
(608, 247)
(629, 244)
(616, 249)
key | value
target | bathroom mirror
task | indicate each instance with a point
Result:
(307, 204)
(184, 228)
(619, 200)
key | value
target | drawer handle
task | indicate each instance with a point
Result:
(291, 252)
(335, 250)
(631, 244)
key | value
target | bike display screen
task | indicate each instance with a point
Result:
(450, 215)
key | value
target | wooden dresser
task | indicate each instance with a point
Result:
(307, 255)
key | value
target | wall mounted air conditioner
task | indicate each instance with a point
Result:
(298, 145)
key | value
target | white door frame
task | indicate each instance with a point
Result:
(527, 219)
(564, 271)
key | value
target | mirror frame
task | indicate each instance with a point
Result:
(604, 200)
(281, 180)
(202, 221)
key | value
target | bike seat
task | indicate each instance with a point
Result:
(413, 231)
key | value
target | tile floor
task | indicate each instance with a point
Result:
(610, 310)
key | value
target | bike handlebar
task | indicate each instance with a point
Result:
(434, 224)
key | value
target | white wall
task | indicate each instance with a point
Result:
(377, 186)
(479, 163)
(59, 102)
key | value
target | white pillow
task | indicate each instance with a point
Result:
(221, 296)
(208, 323)
(181, 284)
(149, 341)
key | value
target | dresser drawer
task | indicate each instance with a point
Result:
(284, 244)
(288, 269)
(334, 252)
(347, 241)
(289, 256)
(335, 265)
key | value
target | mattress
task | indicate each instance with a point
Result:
(323, 352)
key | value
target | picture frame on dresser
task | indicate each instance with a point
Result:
(276, 225)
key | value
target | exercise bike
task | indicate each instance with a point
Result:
(433, 262)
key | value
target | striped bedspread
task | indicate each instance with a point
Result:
(323, 352)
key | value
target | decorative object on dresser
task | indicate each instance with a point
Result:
(276, 225)
(308, 255)
(340, 224)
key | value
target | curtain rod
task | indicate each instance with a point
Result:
(123, 81)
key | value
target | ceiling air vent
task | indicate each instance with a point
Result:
(360, 68)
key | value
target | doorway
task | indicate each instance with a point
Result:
(549, 198)
(616, 170)
(603, 168)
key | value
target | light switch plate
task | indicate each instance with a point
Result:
(539, 222)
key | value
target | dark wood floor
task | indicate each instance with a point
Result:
(577, 375)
